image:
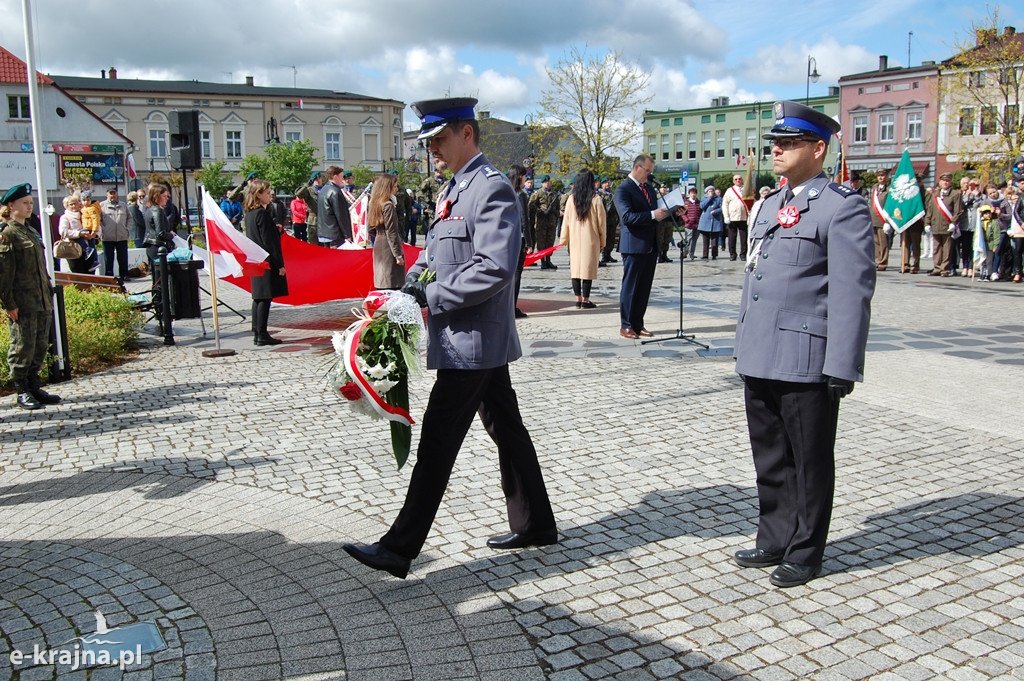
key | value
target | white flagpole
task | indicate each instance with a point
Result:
(37, 152)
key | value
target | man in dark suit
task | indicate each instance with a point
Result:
(800, 341)
(473, 248)
(635, 202)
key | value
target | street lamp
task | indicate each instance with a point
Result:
(812, 77)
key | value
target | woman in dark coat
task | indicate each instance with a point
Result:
(381, 217)
(260, 228)
(158, 233)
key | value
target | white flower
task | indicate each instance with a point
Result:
(338, 341)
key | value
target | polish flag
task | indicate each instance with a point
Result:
(234, 255)
(129, 161)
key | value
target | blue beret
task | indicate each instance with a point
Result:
(18, 191)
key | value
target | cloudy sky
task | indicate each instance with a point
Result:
(495, 51)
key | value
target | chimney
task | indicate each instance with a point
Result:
(103, 74)
(248, 80)
(883, 62)
(725, 101)
(1009, 31)
(113, 73)
(484, 115)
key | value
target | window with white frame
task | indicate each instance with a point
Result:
(860, 129)
(233, 144)
(17, 107)
(292, 136)
(691, 146)
(332, 146)
(678, 146)
(720, 140)
(734, 135)
(1011, 119)
(915, 126)
(664, 147)
(157, 143)
(206, 141)
(989, 120)
(965, 124)
(886, 128)
(706, 142)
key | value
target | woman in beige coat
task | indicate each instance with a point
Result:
(388, 256)
(583, 231)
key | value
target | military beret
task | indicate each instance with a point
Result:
(18, 191)
(793, 119)
(250, 176)
(347, 173)
(545, 178)
(313, 175)
(436, 114)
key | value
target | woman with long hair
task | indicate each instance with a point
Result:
(382, 220)
(517, 176)
(583, 231)
(260, 228)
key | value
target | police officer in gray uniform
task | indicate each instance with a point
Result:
(25, 295)
(800, 341)
(473, 248)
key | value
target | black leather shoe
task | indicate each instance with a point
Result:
(792, 574)
(379, 558)
(268, 340)
(515, 540)
(520, 314)
(756, 558)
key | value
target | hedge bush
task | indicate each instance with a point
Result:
(103, 327)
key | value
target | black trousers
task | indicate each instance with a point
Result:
(737, 231)
(118, 249)
(519, 270)
(260, 318)
(457, 395)
(637, 279)
(792, 434)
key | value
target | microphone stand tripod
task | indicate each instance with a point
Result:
(680, 334)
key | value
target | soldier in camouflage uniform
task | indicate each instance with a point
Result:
(25, 294)
(309, 193)
(611, 221)
(403, 206)
(544, 218)
(430, 189)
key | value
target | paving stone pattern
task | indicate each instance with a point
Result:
(212, 497)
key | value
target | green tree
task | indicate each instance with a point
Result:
(362, 175)
(213, 177)
(595, 97)
(981, 88)
(289, 165)
(254, 163)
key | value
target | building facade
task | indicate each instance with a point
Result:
(73, 136)
(981, 88)
(888, 110)
(690, 146)
(237, 120)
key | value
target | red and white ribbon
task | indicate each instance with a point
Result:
(941, 205)
(348, 355)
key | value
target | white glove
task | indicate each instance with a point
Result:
(927, 229)
(888, 230)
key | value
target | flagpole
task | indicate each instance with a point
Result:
(218, 351)
(37, 151)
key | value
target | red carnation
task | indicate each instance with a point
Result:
(351, 392)
(445, 211)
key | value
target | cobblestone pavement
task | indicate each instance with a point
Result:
(212, 496)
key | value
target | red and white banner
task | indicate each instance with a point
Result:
(941, 205)
(537, 255)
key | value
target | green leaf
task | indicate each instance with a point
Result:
(401, 434)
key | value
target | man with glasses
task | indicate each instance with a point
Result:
(638, 216)
(800, 341)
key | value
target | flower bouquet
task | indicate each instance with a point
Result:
(375, 357)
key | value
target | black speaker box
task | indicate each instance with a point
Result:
(186, 146)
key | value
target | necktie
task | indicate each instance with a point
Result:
(647, 196)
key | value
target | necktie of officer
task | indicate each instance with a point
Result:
(643, 188)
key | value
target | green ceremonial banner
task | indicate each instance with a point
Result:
(903, 204)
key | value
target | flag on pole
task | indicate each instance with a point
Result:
(903, 203)
(979, 246)
(357, 212)
(234, 254)
(129, 161)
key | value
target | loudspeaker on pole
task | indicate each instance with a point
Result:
(186, 146)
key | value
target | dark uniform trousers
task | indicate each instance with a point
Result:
(456, 396)
(30, 339)
(792, 434)
(637, 279)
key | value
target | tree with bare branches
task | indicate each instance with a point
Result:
(594, 97)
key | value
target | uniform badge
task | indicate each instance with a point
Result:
(445, 210)
(463, 184)
(812, 193)
(788, 216)
(778, 109)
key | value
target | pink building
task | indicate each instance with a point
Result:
(886, 111)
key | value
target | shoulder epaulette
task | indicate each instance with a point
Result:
(841, 189)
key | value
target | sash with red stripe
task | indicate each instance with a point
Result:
(876, 203)
(941, 205)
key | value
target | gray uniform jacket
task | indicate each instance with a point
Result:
(474, 249)
(806, 303)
